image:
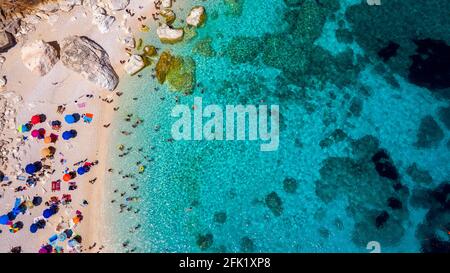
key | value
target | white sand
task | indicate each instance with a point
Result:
(42, 95)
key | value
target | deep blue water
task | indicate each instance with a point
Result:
(328, 106)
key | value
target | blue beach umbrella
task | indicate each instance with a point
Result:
(47, 213)
(30, 169)
(69, 119)
(4, 219)
(66, 135)
(73, 132)
(81, 171)
(33, 228)
(76, 117)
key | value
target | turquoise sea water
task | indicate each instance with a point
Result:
(216, 196)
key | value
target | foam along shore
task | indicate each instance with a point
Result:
(41, 77)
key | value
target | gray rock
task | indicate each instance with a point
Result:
(86, 57)
(7, 41)
(117, 4)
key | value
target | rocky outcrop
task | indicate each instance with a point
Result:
(86, 57)
(168, 15)
(39, 57)
(101, 19)
(134, 64)
(196, 17)
(117, 4)
(165, 4)
(3, 81)
(169, 35)
(7, 41)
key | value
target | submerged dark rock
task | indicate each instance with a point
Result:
(205, 241)
(418, 175)
(431, 64)
(429, 134)
(394, 203)
(389, 51)
(220, 217)
(290, 185)
(274, 203)
(384, 166)
(444, 116)
(381, 219)
(247, 244)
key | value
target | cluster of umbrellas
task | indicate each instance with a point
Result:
(36, 119)
(69, 176)
(84, 169)
(69, 134)
(33, 167)
(48, 151)
(73, 118)
(38, 225)
(49, 212)
(38, 133)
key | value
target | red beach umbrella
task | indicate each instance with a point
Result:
(35, 119)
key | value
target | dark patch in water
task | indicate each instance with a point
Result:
(388, 51)
(274, 203)
(394, 203)
(384, 166)
(247, 244)
(381, 219)
(429, 134)
(205, 241)
(290, 185)
(431, 64)
(444, 116)
(220, 217)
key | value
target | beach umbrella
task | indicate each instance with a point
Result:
(30, 169)
(47, 213)
(4, 219)
(81, 171)
(42, 117)
(67, 177)
(25, 128)
(66, 135)
(69, 119)
(53, 137)
(38, 165)
(76, 117)
(41, 132)
(35, 133)
(45, 152)
(37, 200)
(56, 124)
(33, 228)
(73, 132)
(47, 140)
(68, 233)
(35, 119)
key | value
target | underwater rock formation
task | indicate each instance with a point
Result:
(336, 136)
(444, 116)
(205, 241)
(418, 175)
(370, 192)
(247, 244)
(178, 71)
(290, 185)
(433, 231)
(274, 203)
(389, 51)
(384, 165)
(204, 47)
(431, 64)
(220, 217)
(429, 134)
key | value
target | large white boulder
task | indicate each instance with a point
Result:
(39, 57)
(134, 64)
(169, 35)
(196, 17)
(102, 19)
(165, 4)
(117, 4)
(86, 57)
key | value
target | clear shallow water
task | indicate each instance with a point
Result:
(234, 177)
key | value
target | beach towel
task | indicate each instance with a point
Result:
(88, 117)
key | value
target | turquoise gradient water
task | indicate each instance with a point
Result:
(187, 182)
